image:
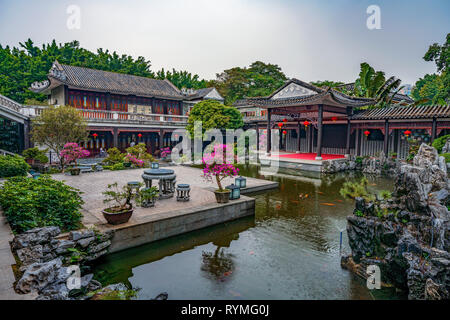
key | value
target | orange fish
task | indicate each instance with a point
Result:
(319, 192)
(278, 206)
(306, 195)
(226, 274)
(328, 204)
(339, 201)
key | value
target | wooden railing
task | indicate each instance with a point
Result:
(120, 116)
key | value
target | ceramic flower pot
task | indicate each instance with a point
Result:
(117, 217)
(222, 196)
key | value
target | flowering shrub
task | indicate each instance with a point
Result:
(165, 152)
(137, 162)
(218, 170)
(219, 153)
(72, 152)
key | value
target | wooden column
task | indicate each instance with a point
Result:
(433, 129)
(310, 138)
(347, 143)
(269, 132)
(299, 130)
(116, 137)
(386, 138)
(319, 132)
(257, 137)
(161, 138)
(357, 142)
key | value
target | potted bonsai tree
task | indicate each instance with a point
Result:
(70, 154)
(122, 209)
(218, 171)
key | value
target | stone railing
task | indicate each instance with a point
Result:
(11, 104)
(130, 117)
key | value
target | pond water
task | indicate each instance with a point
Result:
(289, 250)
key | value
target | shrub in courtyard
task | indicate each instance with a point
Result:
(72, 152)
(29, 203)
(139, 151)
(217, 170)
(35, 154)
(114, 157)
(118, 166)
(439, 143)
(133, 160)
(11, 166)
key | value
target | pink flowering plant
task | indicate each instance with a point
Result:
(165, 152)
(135, 161)
(72, 152)
(214, 169)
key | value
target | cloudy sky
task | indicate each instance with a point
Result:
(310, 40)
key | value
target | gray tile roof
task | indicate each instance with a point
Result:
(412, 112)
(105, 81)
(397, 97)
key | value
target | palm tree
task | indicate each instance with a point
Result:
(373, 84)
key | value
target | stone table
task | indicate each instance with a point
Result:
(166, 179)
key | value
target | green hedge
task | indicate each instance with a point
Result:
(439, 143)
(446, 156)
(29, 203)
(11, 166)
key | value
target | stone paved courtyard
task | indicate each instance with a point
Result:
(93, 184)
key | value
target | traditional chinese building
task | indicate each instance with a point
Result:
(122, 108)
(325, 121)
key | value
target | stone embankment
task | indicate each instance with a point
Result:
(370, 165)
(407, 236)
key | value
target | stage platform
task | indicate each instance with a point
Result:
(297, 161)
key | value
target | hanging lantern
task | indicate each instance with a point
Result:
(95, 135)
(280, 124)
(334, 119)
(284, 120)
(407, 133)
(306, 123)
(284, 132)
(366, 133)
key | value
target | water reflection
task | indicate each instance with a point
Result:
(289, 250)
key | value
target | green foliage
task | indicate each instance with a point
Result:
(359, 213)
(36, 154)
(414, 146)
(30, 203)
(140, 152)
(118, 166)
(352, 190)
(182, 79)
(19, 67)
(373, 84)
(214, 115)
(385, 194)
(11, 166)
(327, 83)
(439, 143)
(145, 194)
(359, 160)
(260, 79)
(435, 88)
(114, 157)
(446, 156)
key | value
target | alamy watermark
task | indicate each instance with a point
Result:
(374, 277)
(74, 19)
(373, 22)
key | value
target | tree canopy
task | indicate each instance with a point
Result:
(214, 115)
(182, 79)
(57, 126)
(326, 83)
(435, 88)
(260, 79)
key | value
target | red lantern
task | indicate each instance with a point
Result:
(284, 131)
(334, 119)
(280, 124)
(306, 123)
(140, 135)
(366, 133)
(407, 133)
(95, 135)
(284, 120)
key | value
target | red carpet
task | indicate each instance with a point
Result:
(310, 156)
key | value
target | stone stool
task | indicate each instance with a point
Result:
(183, 192)
(134, 185)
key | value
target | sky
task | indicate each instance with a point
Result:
(310, 40)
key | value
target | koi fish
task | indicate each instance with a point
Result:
(328, 204)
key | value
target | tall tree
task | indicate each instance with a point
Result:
(435, 88)
(57, 126)
(260, 79)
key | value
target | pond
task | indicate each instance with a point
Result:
(289, 250)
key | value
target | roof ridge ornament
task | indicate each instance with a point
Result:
(57, 71)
